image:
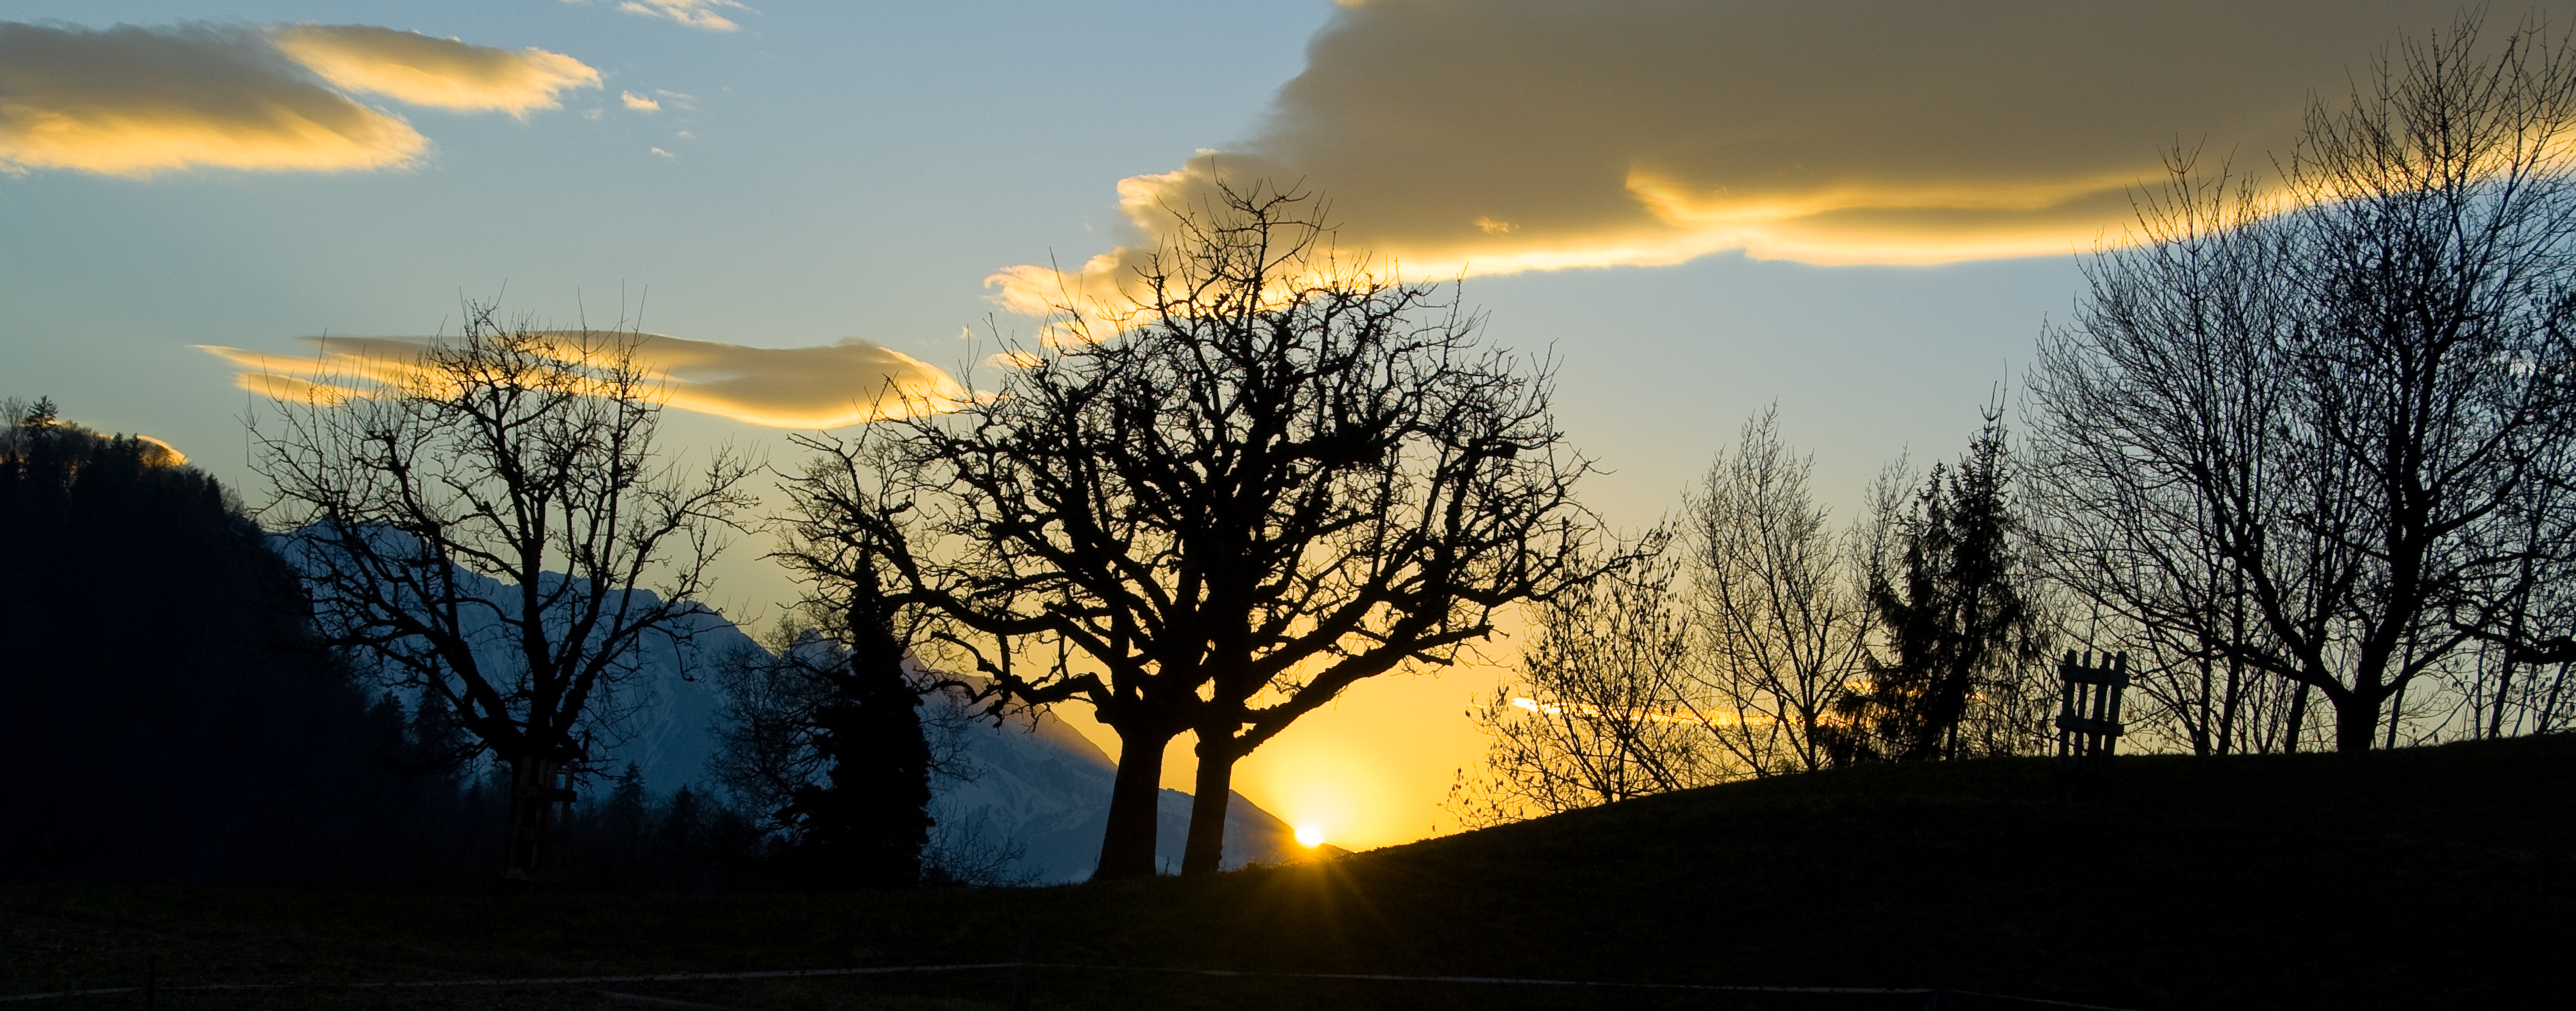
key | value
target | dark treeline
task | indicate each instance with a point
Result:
(166, 713)
(625, 839)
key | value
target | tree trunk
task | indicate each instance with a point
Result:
(533, 851)
(2503, 690)
(2228, 741)
(2396, 709)
(1127, 849)
(2298, 719)
(1205, 852)
(2204, 731)
(2357, 720)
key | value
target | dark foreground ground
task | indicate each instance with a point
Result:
(2438, 877)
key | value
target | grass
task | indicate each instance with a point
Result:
(2433, 877)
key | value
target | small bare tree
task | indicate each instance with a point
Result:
(1780, 616)
(1599, 711)
(494, 525)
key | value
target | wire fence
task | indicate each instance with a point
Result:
(882, 970)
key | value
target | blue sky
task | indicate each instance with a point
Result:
(841, 171)
(830, 171)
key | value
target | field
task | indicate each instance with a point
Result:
(2435, 877)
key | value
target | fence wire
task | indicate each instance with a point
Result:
(881, 970)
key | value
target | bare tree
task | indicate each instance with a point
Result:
(495, 525)
(1780, 618)
(1599, 712)
(2326, 443)
(1281, 475)
(765, 729)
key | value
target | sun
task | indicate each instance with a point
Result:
(1310, 836)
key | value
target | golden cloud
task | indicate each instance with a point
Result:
(1497, 136)
(812, 387)
(135, 101)
(445, 73)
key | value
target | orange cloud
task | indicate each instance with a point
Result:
(1498, 136)
(830, 386)
(445, 73)
(135, 101)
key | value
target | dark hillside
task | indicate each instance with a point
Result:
(2255, 881)
(164, 711)
(2437, 877)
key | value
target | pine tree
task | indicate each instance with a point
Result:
(1955, 609)
(619, 829)
(865, 826)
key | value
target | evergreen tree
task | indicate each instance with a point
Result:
(618, 831)
(866, 824)
(1957, 621)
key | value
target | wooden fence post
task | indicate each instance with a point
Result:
(2088, 718)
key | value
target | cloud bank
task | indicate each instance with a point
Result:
(1494, 136)
(135, 101)
(812, 387)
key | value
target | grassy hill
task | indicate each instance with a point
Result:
(2435, 877)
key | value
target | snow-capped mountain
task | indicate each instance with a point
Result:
(1035, 785)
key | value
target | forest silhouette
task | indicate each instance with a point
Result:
(171, 715)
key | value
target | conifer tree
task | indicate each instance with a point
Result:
(866, 824)
(1958, 623)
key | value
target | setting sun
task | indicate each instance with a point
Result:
(1310, 836)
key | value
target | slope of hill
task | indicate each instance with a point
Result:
(2436, 877)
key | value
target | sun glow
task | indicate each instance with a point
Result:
(1310, 836)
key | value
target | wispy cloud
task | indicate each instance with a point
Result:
(703, 14)
(445, 73)
(638, 103)
(813, 387)
(1512, 135)
(135, 101)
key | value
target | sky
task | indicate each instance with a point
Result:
(1863, 211)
